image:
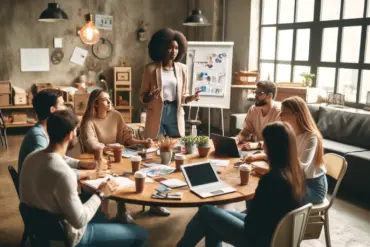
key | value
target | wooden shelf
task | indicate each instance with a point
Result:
(123, 89)
(123, 107)
(11, 125)
(16, 106)
(244, 86)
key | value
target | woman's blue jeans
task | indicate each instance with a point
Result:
(101, 233)
(217, 226)
(169, 125)
(316, 189)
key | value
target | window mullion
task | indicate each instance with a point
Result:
(362, 54)
(339, 46)
(276, 38)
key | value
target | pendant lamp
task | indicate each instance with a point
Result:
(196, 19)
(89, 34)
(53, 13)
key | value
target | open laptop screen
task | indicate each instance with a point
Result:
(200, 174)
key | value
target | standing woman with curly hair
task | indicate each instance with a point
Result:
(164, 85)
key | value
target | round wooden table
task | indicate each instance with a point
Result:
(229, 175)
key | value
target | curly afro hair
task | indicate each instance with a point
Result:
(162, 39)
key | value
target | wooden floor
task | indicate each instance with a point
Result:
(350, 223)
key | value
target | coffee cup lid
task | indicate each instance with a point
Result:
(140, 174)
(246, 168)
(136, 158)
(179, 156)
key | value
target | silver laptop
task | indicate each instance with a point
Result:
(202, 180)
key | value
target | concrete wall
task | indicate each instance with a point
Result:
(237, 29)
(20, 29)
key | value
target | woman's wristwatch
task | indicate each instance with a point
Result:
(100, 194)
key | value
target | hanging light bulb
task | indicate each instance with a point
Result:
(89, 34)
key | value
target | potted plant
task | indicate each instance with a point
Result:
(307, 79)
(203, 146)
(190, 144)
(165, 145)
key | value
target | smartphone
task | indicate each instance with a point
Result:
(237, 164)
(163, 188)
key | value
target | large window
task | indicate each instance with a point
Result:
(329, 38)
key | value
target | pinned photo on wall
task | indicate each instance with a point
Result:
(79, 56)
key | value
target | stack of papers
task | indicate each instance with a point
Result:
(173, 183)
(128, 153)
(122, 181)
(151, 164)
(261, 165)
(219, 162)
(157, 171)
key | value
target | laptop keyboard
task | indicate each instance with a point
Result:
(216, 192)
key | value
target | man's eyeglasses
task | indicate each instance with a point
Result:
(259, 93)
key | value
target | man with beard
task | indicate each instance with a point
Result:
(46, 102)
(48, 183)
(265, 111)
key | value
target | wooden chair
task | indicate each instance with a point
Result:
(336, 166)
(290, 230)
(43, 226)
(15, 177)
(3, 131)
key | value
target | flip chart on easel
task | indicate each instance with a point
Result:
(210, 71)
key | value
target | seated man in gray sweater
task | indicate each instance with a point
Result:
(45, 102)
(49, 184)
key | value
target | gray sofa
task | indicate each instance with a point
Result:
(345, 133)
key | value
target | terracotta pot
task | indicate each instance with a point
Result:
(203, 150)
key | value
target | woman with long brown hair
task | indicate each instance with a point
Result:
(101, 125)
(309, 143)
(279, 191)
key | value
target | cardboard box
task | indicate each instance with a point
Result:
(4, 99)
(19, 117)
(5, 87)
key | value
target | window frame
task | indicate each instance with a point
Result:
(316, 33)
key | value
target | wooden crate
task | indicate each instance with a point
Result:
(246, 78)
(286, 92)
(19, 117)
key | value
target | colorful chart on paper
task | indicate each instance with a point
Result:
(209, 71)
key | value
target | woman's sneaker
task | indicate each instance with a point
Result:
(160, 211)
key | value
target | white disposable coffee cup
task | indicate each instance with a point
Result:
(139, 181)
(135, 163)
(179, 161)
